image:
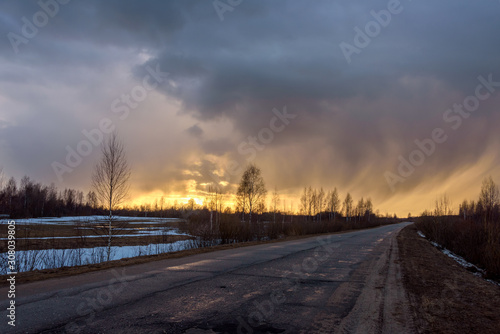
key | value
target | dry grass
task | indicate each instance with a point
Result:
(477, 242)
(231, 229)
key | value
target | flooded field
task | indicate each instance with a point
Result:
(45, 243)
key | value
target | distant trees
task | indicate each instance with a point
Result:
(2, 176)
(319, 204)
(489, 198)
(275, 202)
(369, 208)
(347, 206)
(333, 202)
(306, 202)
(467, 210)
(92, 200)
(214, 201)
(443, 206)
(251, 194)
(11, 194)
(48, 201)
(364, 209)
(487, 207)
(31, 199)
(110, 186)
(475, 236)
(110, 178)
(359, 211)
(190, 204)
(313, 203)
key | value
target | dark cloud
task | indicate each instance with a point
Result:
(195, 131)
(353, 119)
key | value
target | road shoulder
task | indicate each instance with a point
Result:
(445, 297)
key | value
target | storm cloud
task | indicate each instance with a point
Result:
(356, 118)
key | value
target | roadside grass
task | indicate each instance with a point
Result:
(477, 242)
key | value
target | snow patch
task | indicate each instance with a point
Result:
(58, 258)
(83, 219)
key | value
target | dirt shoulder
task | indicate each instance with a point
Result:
(445, 297)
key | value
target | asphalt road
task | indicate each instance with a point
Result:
(342, 283)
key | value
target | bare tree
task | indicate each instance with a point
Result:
(463, 209)
(307, 202)
(304, 202)
(489, 198)
(162, 204)
(443, 206)
(210, 201)
(360, 209)
(314, 203)
(92, 201)
(110, 179)
(11, 190)
(275, 201)
(214, 200)
(369, 208)
(333, 203)
(251, 190)
(241, 204)
(348, 206)
(320, 199)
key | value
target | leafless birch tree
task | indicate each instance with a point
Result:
(348, 206)
(110, 179)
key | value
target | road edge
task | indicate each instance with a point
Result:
(445, 297)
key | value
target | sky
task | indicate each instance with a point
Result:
(393, 100)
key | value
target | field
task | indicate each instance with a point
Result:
(47, 243)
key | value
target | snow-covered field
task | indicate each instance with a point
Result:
(35, 259)
(140, 232)
(132, 229)
(57, 258)
(93, 219)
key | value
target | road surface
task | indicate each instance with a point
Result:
(342, 283)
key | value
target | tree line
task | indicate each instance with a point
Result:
(487, 207)
(314, 203)
(29, 198)
(474, 233)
